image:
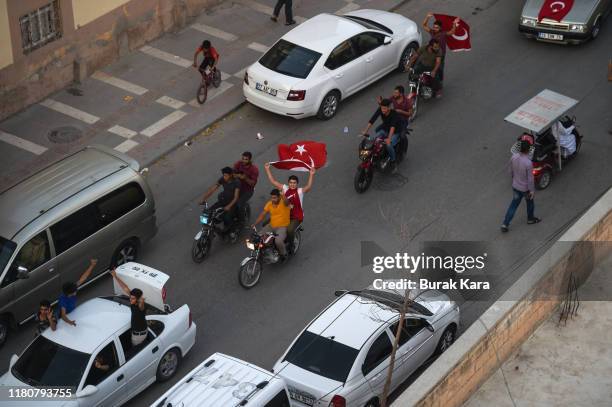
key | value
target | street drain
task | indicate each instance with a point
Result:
(64, 134)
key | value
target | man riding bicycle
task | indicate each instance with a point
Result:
(211, 57)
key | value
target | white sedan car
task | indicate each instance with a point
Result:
(95, 361)
(328, 58)
(342, 357)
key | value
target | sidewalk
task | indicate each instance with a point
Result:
(144, 104)
(566, 365)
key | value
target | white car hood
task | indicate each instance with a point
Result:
(307, 382)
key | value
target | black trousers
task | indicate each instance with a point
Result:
(288, 9)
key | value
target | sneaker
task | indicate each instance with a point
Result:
(290, 22)
(273, 18)
(504, 228)
(533, 220)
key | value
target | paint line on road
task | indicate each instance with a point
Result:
(255, 46)
(348, 8)
(70, 111)
(215, 32)
(212, 93)
(262, 8)
(240, 73)
(22, 143)
(170, 102)
(122, 131)
(166, 56)
(119, 83)
(163, 123)
(126, 146)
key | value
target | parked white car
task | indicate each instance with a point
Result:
(66, 357)
(224, 381)
(328, 58)
(341, 358)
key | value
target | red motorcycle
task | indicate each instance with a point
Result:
(419, 86)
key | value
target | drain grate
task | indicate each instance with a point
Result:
(65, 134)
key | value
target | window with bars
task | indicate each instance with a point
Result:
(40, 27)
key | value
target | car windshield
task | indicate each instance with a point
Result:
(45, 363)
(369, 24)
(322, 356)
(7, 248)
(290, 59)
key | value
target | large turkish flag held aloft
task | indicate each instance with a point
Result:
(460, 40)
(301, 156)
(555, 9)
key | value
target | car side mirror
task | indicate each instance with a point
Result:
(428, 326)
(87, 391)
(387, 40)
(22, 272)
(338, 293)
(13, 360)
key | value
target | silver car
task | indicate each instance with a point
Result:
(582, 23)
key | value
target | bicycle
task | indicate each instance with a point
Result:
(211, 78)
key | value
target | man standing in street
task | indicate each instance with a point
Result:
(521, 169)
(247, 173)
(288, 11)
(138, 310)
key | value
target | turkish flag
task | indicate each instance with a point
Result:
(301, 156)
(460, 40)
(555, 9)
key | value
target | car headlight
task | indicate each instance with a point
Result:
(578, 27)
(528, 21)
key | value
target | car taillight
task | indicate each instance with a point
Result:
(164, 294)
(296, 95)
(190, 319)
(246, 78)
(338, 401)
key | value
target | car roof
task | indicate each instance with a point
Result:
(322, 33)
(201, 386)
(351, 320)
(33, 197)
(96, 321)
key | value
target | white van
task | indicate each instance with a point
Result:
(224, 381)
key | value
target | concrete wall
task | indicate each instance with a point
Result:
(94, 34)
(451, 379)
(6, 51)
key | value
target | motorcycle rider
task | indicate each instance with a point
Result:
(428, 58)
(401, 103)
(227, 199)
(390, 128)
(279, 209)
(295, 196)
(247, 173)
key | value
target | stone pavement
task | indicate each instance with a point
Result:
(561, 365)
(144, 103)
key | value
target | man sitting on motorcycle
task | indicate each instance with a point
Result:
(428, 58)
(401, 104)
(247, 173)
(279, 209)
(228, 198)
(390, 128)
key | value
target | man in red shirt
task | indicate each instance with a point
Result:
(295, 196)
(247, 173)
(211, 57)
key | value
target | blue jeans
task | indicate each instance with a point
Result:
(380, 133)
(516, 200)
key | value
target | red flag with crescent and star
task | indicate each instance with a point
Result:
(555, 9)
(301, 156)
(460, 40)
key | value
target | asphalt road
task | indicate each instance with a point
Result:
(454, 186)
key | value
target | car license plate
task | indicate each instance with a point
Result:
(266, 89)
(547, 36)
(302, 398)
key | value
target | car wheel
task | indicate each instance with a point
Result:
(447, 339)
(125, 253)
(372, 403)
(168, 365)
(596, 28)
(329, 105)
(406, 55)
(4, 329)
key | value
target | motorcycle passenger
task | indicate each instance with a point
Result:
(247, 173)
(428, 58)
(389, 129)
(295, 196)
(435, 31)
(211, 57)
(401, 104)
(279, 209)
(228, 197)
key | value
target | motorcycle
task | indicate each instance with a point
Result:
(211, 222)
(419, 86)
(374, 155)
(264, 251)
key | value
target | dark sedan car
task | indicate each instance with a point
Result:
(582, 23)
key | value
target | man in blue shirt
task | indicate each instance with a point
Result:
(67, 301)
